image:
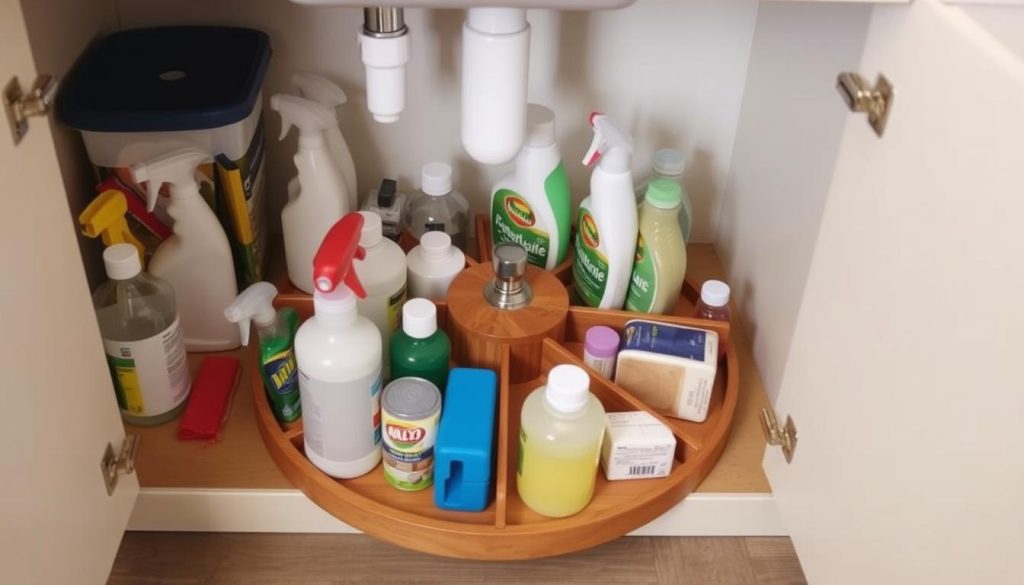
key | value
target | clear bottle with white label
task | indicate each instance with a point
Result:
(438, 207)
(142, 339)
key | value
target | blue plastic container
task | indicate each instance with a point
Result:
(463, 468)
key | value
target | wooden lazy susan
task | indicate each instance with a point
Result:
(521, 345)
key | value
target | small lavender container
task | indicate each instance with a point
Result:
(600, 348)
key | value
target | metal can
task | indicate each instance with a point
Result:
(410, 410)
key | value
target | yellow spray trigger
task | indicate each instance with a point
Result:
(105, 217)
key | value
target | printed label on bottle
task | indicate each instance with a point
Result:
(395, 303)
(284, 385)
(556, 187)
(590, 267)
(341, 420)
(643, 283)
(513, 220)
(409, 451)
(673, 340)
(151, 375)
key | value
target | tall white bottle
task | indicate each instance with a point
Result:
(338, 353)
(382, 272)
(327, 93)
(531, 206)
(322, 197)
(196, 260)
(606, 230)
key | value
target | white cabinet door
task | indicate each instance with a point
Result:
(57, 523)
(904, 377)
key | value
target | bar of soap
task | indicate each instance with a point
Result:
(669, 367)
(636, 446)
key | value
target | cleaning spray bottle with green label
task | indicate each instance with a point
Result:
(276, 330)
(531, 206)
(607, 225)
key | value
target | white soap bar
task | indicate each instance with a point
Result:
(636, 445)
(669, 367)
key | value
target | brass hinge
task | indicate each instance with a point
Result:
(114, 467)
(21, 106)
(860, 97)
(776, 435)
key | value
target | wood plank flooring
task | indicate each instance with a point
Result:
(148, 558)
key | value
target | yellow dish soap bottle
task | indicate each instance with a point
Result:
(660, 264)
(560, 435)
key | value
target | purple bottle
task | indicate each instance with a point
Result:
(600, 348)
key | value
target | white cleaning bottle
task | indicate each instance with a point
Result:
(339, 357)
(382, 272)
(531, 206)
(196, 260)
(327, 93)
(322, 197)
(433, 265)
(607, 226)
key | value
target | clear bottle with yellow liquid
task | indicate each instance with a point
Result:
(660, 264)
(560, 436)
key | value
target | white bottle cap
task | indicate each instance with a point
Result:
(419, 318)
(714, 293)
(568, 389)
(122, 261)
(373, 229)
(436, 179)
(340, 301)
(540, 126)
(669, 162)
(436, 245)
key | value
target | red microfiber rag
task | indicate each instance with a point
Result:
(210, 398)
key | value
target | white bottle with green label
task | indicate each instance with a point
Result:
(660, 264)
(142, 338)
(531, 205)
(606, 229)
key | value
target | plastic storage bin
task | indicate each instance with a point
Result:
(139, 93)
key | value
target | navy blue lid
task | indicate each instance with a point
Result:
(165, 79)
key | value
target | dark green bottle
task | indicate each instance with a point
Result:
(420, 349)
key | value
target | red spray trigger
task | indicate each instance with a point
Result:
(332, 264)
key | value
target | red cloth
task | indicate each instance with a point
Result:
(210, 398)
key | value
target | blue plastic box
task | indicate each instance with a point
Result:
(463, 466)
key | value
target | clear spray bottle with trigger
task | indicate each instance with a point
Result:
(606, 229)
(322, 197)
(196, 259)
(276, 331)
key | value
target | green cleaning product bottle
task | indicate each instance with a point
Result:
(276, 330)
(531, 206)
(420, 349)
(660, 263)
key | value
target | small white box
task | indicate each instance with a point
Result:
(636, 446)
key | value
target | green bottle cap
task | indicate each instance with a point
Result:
(664, 194)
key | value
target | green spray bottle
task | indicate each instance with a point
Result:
(276, 331)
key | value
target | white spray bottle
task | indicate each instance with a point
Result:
(196, 260)
(322, 197)
(607, 226)
(327, 93)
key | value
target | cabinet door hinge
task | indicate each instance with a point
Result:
(114, 466)
(20, 106)
(875, 101)
(784, 437)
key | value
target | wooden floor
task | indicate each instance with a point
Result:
(308, 559)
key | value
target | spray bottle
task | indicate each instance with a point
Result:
(531, 205)
(606, 231)
(322, 197)
(105, 218)
(196, 260)
(327, 93)
(276, 331)
(338, 353)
